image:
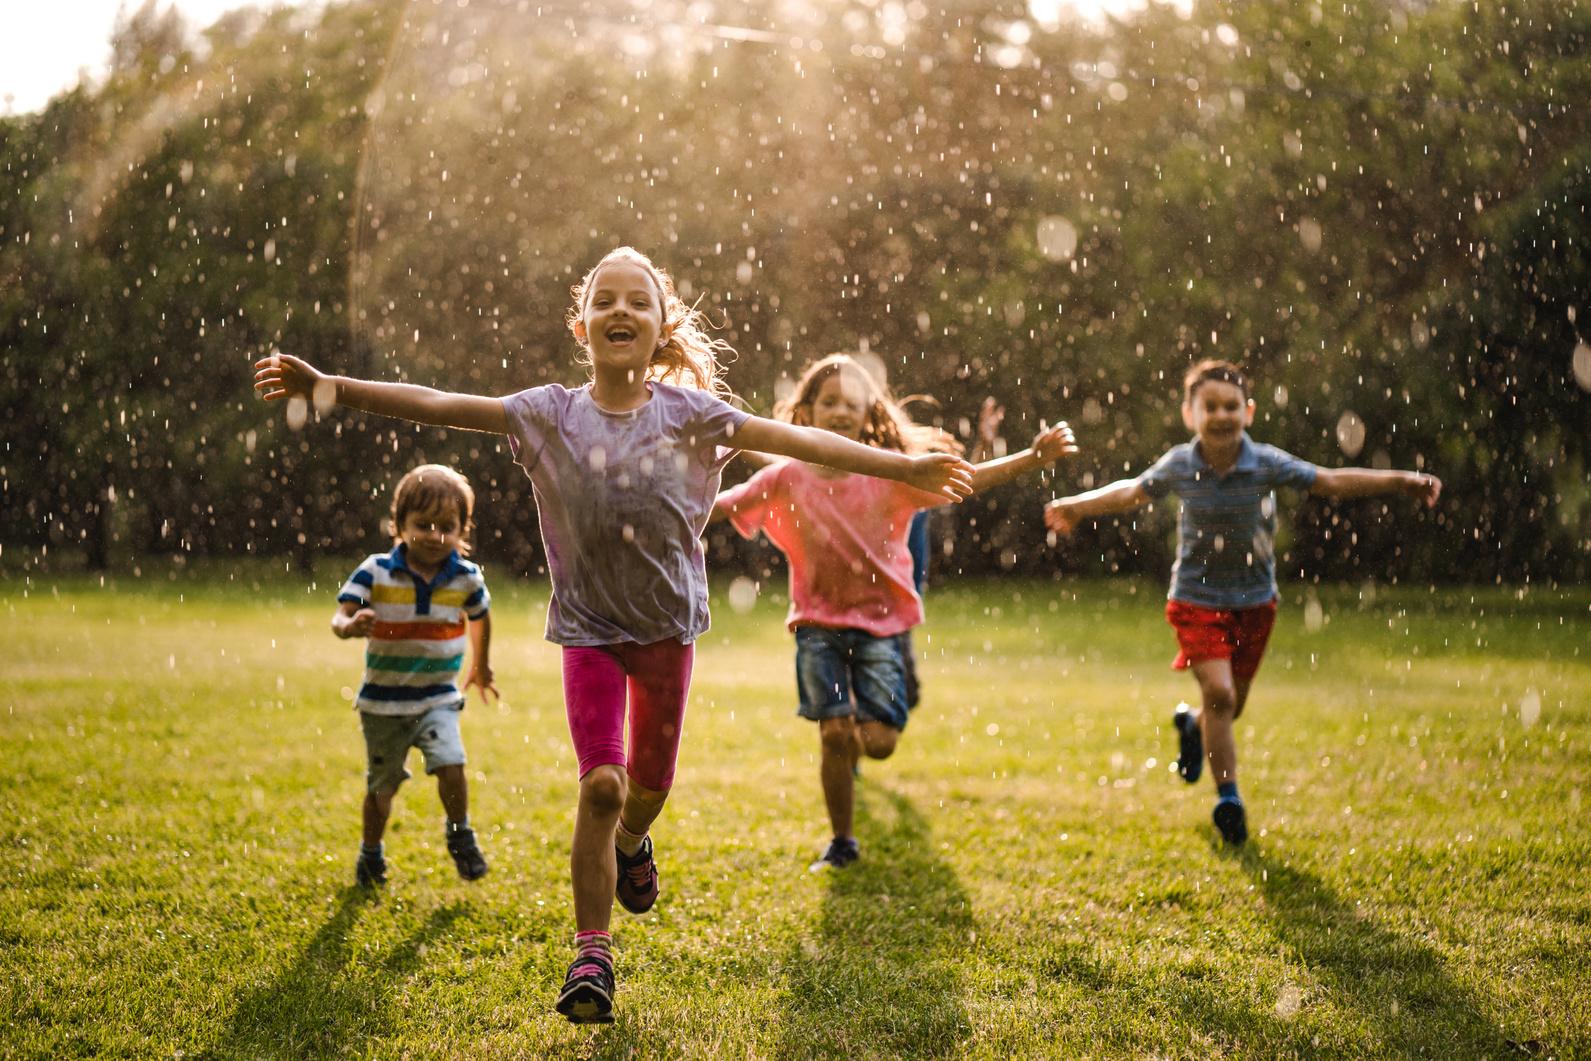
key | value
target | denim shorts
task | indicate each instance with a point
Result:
(388, 739)
(835, 666)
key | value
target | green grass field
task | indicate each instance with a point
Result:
(181, 800)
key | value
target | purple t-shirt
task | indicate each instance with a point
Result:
(622, 499)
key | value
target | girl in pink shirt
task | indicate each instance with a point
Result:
(852, 597)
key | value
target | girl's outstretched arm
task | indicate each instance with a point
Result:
(285, 376)
(1049, 446)
(1123, 495)
(936, 473)
(1363, 482)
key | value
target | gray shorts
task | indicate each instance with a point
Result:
(388, 739)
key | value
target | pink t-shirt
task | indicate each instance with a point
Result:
(845, 538)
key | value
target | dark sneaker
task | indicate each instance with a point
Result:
(841, 853)
(466, 854)
(637, 889)
(370, 870)
(587, 995)
(1190, 754)
(1231, 820)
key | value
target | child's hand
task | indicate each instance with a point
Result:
(1060, 517)
(285, 376)
(1053, 443)
(363, 621)
(990, 416)
(940, 473)
(1423, 487)
(481, 678)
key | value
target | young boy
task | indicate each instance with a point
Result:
(1223, 587)
(416, 604)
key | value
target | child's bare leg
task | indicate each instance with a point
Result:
(454, 791)
(839, 740)
(1240, 688)
(1215, 721)
(878, 739)
(377, 809)
(641, 808)
(592, 867)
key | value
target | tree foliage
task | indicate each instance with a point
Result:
(1380, 209)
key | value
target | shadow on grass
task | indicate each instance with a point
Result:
(325, 1003)
(881, 974)
(1395, 986)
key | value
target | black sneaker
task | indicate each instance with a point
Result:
(466, 854)
(370, 870)
(587, 995)
(637, 889)
(841, 853)
(1231, 819)
(1190, 753)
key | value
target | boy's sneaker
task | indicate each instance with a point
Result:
(637, 889)
(587, 995)
(466, 854)
(1231, 820)
(1190, 753)
(370, 870)
(841, 853)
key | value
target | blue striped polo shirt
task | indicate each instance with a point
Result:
(417, 645)
(1226, 531)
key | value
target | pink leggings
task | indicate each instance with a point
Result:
(657, 678)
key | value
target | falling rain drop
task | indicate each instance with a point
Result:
(1530, 708)
(742, 594)
(1350, 433)
(1582, 365)
(1057, 239)
(1314, 615)
(297, 413)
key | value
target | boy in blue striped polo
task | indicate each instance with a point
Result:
(1223, 587)
(419, 605)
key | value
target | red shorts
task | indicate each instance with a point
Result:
(1237, 634)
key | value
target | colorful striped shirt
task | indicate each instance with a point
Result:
(1226, 531)
(422, 628)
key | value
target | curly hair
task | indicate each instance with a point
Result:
(886, 426)
(689, 357)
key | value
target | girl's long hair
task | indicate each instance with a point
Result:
(886, 425)
(689, 356)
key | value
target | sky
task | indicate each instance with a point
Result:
(45, 44)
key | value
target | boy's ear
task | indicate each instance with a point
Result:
(1248, 413)
(1187, 415)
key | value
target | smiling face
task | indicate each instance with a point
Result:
(1218, 412)
(621, 322)
(842, 402)
(431, 534)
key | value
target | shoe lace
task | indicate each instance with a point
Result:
(641, 872)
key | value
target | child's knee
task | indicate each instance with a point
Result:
(1220, 700)
(838, 735)
(879, 740)
(603, 788)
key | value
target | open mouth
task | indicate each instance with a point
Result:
(619, 334)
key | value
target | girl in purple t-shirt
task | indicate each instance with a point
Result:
(624, 471)
(852, 595)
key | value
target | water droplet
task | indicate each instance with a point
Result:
(742, 594)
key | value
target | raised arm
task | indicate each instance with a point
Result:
(936, 473)
(285, 376)
(1123, 495)
(1049, 446)
(1365, 482)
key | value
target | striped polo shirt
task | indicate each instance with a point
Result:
(417, 645)
(1226, 531)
